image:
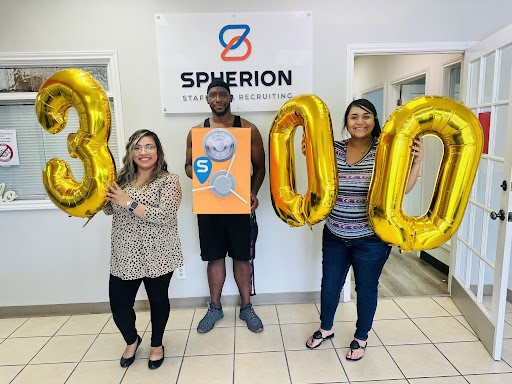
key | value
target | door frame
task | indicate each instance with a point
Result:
(447, 67)
(354, 50)
(394, 93)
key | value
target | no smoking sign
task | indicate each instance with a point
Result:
(6, 153)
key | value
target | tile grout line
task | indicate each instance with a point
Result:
(284, 345)
(282, 340)
(464, 341)
(234, 351)
(186, 345)
(386, 347)
(51, 337)
(45, 344)
(90, 346)
(18, 327)
(338, 355)
(435, 346)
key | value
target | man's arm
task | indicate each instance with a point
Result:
(188, 155)
(257, 160)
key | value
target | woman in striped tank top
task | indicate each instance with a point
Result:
(348, 240)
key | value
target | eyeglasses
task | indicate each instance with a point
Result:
(214, 95)
(147, 148)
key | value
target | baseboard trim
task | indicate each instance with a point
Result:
(431, 260)
(181, 303)
(141, 305)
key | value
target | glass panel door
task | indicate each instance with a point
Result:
(483, 242)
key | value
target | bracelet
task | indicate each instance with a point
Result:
(132, 205)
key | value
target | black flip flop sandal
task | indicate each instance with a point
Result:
(353, 346)
(318, 336)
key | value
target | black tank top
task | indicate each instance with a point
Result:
(237, 123)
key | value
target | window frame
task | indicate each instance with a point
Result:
(68, 59)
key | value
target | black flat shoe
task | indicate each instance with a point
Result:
(154, 364)
(126, 362)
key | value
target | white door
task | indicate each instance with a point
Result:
(481, 250)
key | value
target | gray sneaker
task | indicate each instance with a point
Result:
(251, 318)
(208, 321)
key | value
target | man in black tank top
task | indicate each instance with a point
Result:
(221, 234)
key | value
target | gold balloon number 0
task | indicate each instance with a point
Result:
(462, 138)
(451, 121)
(74, 87)
(311, 113)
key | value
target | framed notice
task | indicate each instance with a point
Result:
(8, 148)
(221, 177)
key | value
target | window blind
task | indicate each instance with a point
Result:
(36, 146)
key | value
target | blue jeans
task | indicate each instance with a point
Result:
(367, 255)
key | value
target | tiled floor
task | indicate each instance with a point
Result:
(414, 340)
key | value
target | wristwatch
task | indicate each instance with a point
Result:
(132, 205)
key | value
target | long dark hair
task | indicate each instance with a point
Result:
(128, 172)
(368, 107)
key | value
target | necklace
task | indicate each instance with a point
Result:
(367, 148)
(136, 182)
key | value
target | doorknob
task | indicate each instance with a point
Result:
(500, 214)
(504, 185)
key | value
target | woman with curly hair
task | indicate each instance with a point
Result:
(144, 201)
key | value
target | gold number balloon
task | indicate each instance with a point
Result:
(462, 138)
(311, 113)
(74, 87)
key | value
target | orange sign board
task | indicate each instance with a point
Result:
(221, 170)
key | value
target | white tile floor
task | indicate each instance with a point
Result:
(414, 340)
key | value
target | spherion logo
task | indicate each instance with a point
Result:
(235, 42)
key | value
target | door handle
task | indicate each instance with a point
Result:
(500, 214)
(504, 185)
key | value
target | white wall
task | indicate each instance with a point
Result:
(48, 258)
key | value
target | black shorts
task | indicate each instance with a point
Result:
(225, 234)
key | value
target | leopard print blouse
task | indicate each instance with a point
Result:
(148, 247)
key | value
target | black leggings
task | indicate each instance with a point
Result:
(122, 298)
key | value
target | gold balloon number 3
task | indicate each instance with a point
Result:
(311, 113)
(74, 87)
(462, 138)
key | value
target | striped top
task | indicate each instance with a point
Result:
(349, 218)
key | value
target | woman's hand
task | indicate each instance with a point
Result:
(116, 195)
(417, 151)
(417, 155)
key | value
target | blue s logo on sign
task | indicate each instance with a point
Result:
(202, 168)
